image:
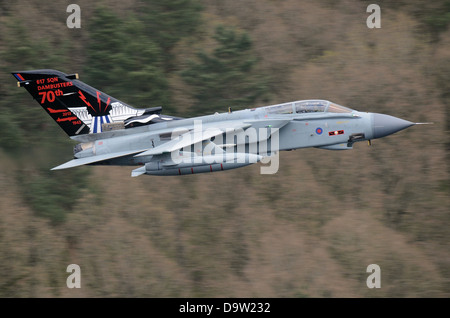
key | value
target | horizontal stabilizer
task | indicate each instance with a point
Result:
(93, 159)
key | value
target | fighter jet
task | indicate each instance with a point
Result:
(111, 132)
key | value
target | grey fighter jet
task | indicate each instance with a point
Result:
(110, 132)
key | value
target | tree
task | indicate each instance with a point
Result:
(226, 77)
(126, 67)
(21, 124)
(167, 22)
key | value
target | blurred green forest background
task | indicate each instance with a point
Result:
(310, 230)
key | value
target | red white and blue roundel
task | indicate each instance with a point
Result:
(319, 131)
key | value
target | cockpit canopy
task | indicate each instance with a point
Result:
(307, 106)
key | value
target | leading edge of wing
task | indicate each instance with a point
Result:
(87, 160)
(190, 138)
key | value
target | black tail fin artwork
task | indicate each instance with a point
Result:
(79, 108)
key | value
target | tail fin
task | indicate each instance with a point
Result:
(75, 106)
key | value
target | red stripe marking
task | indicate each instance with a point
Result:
(99, 101)
(179, 171)
(192, 170)
(221, 166)
(210, 168)
(20, 76)
(107, 103)
(83, 98)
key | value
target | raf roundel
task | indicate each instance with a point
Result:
(319, 131)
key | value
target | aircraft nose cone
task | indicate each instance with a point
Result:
(384, 125)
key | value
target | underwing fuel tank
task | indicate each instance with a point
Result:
(202, 164)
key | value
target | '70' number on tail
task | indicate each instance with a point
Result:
(49, 96)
